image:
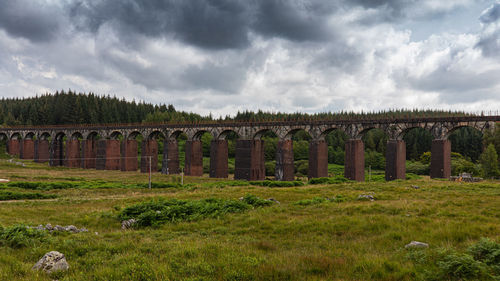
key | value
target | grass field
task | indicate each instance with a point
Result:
(304, 237)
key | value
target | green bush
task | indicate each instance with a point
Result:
(332, 180)
(160, 211)
(277, 183)
(301, 167)
(11, 195)
(417, 168)
(488, 252)
(270, 168)
(460, 267)
(18, 236)
(374, 159)
(459, 166)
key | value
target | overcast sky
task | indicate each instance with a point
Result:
(221, 56)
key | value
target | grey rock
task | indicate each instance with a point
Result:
(415, 186)
(128, 223)
(416, 244)
(366, 196)
(59, 228)
(51, 262)
(72, 228)
(273, 200)
(49, 226)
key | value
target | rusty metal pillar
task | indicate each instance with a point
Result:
(89, 153)
(193, 164)
(170, 164)
(129, 155)
(249, 161)
(73, 155)
(41, 151)
(440, 159)
(395, 160)
(149, 150)
(108, 155)
(284, 170)
(218, 159)
(56, 153)
(13, 147)
(318, 159)
(354, 164)
(27, 149)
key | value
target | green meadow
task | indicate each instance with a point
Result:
(209, 229)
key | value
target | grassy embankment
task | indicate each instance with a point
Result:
(305, 237)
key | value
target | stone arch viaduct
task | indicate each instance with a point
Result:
(115, 147)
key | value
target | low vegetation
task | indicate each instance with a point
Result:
(199, 229)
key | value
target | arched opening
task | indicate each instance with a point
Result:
(466, 150)
(418, 142)
(375, 145)
(335, 140)
(56, 150)
(27, 146)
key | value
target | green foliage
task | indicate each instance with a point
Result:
(160, 211)
(417, 168)
(488, 252)
(276, 183)
(332, 180)
(459, 166)
(489, 162)
(300, 150)
(425, 158)
(468, 142)
(417, 142)
(86, 185)
(459, 267)
(19, 235)
(12, 195)
(270, 168)
(374, 159)
(301, 168)
(336, 155)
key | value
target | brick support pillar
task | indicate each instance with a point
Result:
(108, 155)
(354, 164)
(441, 159)
(13, 147)
(27, 149)
(56, 153)
(218, 159)
(149, 149)
(395, 160)
(284, 170)
(193, 164)
(318, 159)
(170, 164)
(129, 155)
(89, 153)
(73, 155)
(41, 151)
(249, 162)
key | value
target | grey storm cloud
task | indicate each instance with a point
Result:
(37, 22)
(489, 42)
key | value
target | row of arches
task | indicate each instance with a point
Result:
(120, 150)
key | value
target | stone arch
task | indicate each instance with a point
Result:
(156, 134)
(60, 136)
(198, 134)
(134, 134)
(92, 135)
(223, 134)
(15, 135)
(115, 135)
(29, 135)
(44, 136)
(259, 133)
(76, 136)
(3, 136)
(175, 134)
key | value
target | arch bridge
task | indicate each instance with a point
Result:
(115, 146)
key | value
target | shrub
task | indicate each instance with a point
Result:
(489, 162)
(301, 167)
(417, 168)
(425, 158)
(270, 168)
(160, 211)
(488, 252)
(18, 236)
(460, 267)
(463, 166)
(11, 195)
(374, 159)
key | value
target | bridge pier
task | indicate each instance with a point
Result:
(73, 155)
(249, 160)
(89, 153)
(108, 155)
(395, 160)
(440, 159)
(41, 151)
(27, 149)
(318, 159)
(284, 170)
(193, 163)
(13, 147)
(56, 153)
(129, 155)
(149, 150)
(354, 163)
(170, 164)
(218, 159)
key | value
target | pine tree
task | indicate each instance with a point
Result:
(489, 162)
